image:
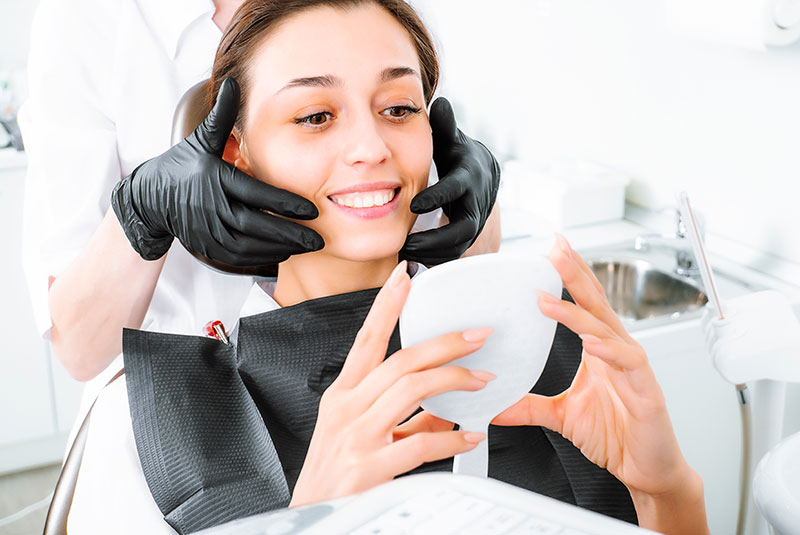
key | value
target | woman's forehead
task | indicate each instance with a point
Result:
(350, 46)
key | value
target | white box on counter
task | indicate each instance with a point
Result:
(568, 193)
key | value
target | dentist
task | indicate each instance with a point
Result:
(105, 79)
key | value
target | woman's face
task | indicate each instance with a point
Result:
(336, 114)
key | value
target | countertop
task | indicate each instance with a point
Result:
(525, 234)
(11, 158)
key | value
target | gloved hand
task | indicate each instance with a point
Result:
(214, 209)
(468, 181)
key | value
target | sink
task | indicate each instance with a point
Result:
(641, 285)
(644, 295)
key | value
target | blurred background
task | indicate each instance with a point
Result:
(648, 96)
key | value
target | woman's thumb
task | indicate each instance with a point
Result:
(533, 409)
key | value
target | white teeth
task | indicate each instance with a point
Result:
(364, 200)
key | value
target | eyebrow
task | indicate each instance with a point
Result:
(392, 73)
(328, 80)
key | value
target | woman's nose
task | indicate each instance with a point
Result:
(365, 145)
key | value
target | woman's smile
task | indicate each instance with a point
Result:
(367, 201)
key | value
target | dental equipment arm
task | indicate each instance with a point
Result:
(758, 339)
(758, 342)
(469, 178)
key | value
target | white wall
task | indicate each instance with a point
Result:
(16, 17)
(608, 81)
(15, 24)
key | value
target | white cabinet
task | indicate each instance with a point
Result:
(38, 400)
(704, 414)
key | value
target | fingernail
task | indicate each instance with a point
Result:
(473, 437)
(547, 298)
(563, 244)
(397, 274)
(591, 339)
(477, 335)
(483, 375)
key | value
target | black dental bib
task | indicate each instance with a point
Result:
(222, 429)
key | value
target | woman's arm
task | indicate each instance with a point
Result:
(680, 511)
(107, 287)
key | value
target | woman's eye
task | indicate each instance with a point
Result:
(315, 120)
(400, 112)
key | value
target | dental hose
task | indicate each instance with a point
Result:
(747, 445)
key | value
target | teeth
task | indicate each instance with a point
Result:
(364, 200)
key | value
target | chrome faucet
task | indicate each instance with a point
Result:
(685, 264)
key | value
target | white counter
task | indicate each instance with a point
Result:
(11, 159)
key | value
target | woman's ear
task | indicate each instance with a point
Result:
(235, 154)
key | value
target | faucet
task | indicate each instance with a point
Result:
(685, 264)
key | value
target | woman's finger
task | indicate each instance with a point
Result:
(534, 409)
(573, 316)
(402, 398)
(564, 243)
(429, 354)
(582, 286)
(404, 455)
(372, 340)
(424, 422)
(615, 352)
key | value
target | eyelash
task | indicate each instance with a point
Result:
(305, 122)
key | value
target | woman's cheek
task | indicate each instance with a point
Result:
(418, 154)
(286, 164)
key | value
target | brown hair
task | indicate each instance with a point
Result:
(255, 18)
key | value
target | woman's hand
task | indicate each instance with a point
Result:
(614, 411)
(358, 441)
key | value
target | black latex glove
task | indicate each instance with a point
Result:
(468, 181)
(214, 209)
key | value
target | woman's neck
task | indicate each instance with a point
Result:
(315, 275)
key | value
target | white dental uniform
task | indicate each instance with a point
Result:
(104, 80)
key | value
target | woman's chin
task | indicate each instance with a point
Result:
(365, 250)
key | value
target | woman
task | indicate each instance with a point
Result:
(332, 108)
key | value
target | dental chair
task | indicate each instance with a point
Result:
(56, 521)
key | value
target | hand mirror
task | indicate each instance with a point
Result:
(493, 290)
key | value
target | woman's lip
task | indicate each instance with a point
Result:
(371, 186)
(371, 212)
